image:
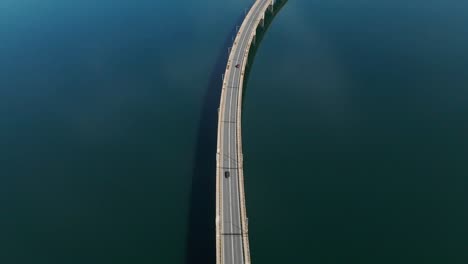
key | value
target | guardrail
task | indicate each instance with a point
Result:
(259, 18)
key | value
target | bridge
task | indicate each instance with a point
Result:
(232, 243)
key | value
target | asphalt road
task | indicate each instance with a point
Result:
(232, 248)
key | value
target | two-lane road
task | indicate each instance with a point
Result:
(231, 219)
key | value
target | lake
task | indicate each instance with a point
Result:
(354, 122)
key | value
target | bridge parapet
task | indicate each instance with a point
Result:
(236, 71)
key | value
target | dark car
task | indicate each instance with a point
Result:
(226, 174)
(237, 66)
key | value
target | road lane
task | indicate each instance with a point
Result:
(231, 241)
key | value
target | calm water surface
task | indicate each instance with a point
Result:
(355, 134)
(355, 131)
(100, 114)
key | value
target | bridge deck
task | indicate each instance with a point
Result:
(231, 219)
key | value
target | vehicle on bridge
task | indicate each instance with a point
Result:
(237, 66)
(226, 174)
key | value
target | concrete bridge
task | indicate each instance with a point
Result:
(232, 243)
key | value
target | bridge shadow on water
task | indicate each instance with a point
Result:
(201, 231)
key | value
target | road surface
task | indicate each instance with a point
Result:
(231, 220)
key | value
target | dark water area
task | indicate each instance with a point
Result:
(103, 112)
(355, 129)
(260, 33)
(201, 234)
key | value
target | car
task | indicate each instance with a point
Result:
(226, 174)
(237, 66)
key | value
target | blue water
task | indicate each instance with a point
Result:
(354, 131)
(100, 111)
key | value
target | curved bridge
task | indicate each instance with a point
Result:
(232, 244)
